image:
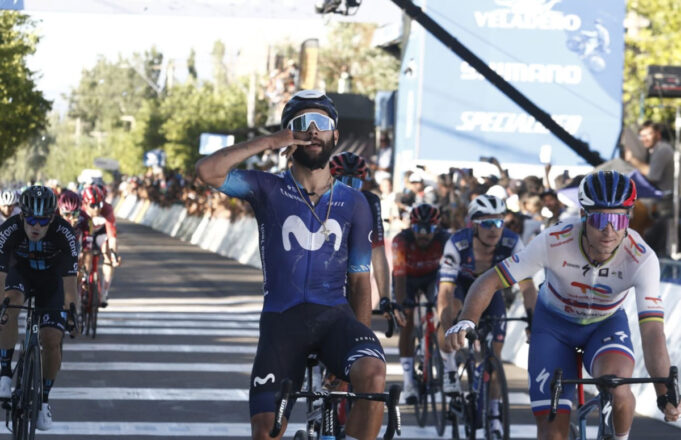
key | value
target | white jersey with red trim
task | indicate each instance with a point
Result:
(580, 291)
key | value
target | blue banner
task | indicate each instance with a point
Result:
(566, 56)
(16, 5)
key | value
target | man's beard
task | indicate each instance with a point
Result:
(304, 158)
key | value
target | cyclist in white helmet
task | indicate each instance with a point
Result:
(9, 204)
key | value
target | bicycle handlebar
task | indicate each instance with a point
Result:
(282, 398)
(391, 321)
(71, 310)
(612, 381)
(391, 398)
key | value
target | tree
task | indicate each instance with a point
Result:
(109, 93)
(23, 109)
(658, 43)
(349, 47)
(189, 111)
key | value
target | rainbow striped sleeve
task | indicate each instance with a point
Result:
(506, 277)
(650, 316)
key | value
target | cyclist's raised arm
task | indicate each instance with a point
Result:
(213, 169)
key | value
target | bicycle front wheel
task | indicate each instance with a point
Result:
(30, 398)
(496, 406)
(94, 308)
(438, 399)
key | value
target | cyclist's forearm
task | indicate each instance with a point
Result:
(400, 288)
(381, 271)
(113, 244)
(480, 295)
(655, 352)
(70, 290)
(445, 304)
(213, 169)
(359, 296)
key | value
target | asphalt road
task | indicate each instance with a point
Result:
(173, 354)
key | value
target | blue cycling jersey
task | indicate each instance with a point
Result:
(299, 264)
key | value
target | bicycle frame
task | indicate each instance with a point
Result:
(327, 428)
(603, 401)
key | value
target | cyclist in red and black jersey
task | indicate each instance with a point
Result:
(69, 204)
(416, 261)
(103, 236)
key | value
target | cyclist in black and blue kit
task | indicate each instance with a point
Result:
(314, 233)
(38, 257)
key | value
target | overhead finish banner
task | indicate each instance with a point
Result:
(566, 56)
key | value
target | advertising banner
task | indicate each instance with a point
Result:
(566, 56)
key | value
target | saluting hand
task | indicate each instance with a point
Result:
(292, 140)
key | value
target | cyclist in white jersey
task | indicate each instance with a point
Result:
(590, 265)
(9, 204)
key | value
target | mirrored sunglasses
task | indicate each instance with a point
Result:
(75, 213)
(96, 205)
(42, 221)
(600, 220)
(423, 228)
(354, 182)
(490, 223)
(302, 122)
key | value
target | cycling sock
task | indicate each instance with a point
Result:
(449, 360)
(494, 406)
(622, 436)
(6, 361)
(408, 369)
(47, 386)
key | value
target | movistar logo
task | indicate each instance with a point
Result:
(307, 239)
(263, 380)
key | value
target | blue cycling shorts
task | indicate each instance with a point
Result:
(553, 343)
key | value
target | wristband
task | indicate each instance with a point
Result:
(465, 324)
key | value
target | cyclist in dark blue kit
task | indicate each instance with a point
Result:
(38, 257)
(314, 234)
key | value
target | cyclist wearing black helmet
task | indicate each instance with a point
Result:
(38, 257)
(314, 234)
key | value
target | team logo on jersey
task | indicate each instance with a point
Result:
(599, 289)
(4, 235)
(635, 247)
(563, 233)
(515, 258)
(461, 245)
(308, 240)
(565, 263)
(262, 380)
(507, 242)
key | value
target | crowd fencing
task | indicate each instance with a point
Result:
(239, 240)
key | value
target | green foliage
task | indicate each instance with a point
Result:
(189, 111)
(657, 44)
(371, 68)
(23, 109)
(112, 91)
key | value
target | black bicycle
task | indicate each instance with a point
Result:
(322, 422)
(21, 409)
(603, 401)
(481, 375)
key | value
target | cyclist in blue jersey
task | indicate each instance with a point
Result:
(468, 253)
(352, 170)
(591, 263)
(314, 234)
(38, 257)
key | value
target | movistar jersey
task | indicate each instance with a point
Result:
(580, 291)
(299, 264)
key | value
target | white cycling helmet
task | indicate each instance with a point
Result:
(486, 204)
(8, 197)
